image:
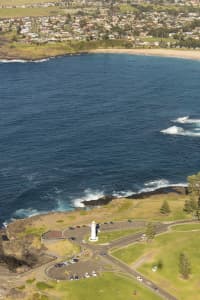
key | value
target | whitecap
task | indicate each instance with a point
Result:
(5, 61)
(157, 183)
(174, 130)
(153, 185)
(26, 212)
(186, 120)
(88, 195)
(122, 194)
(40, 60)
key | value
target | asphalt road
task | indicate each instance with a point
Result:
(101, 253)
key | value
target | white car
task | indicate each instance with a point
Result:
(139, 278)
(87, 275)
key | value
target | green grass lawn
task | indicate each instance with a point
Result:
(106, 287)
(154, 39)
(131, 253)
(167, 248)
(22, 2)
(30, 12)
(109, 236)
(186, 227)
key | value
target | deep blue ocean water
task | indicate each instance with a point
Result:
(78, 127)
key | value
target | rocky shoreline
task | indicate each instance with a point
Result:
(8, 58)
(180, 190)
(159, 52)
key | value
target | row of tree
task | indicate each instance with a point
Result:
(192, 205)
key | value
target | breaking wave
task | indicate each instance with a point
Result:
(149, 186)
(153, 185)
(122, 194)
(26, 212)
(175, 130)
(186, 120)
(5, 61)
(88, 196)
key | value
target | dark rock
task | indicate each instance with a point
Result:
(101, 201)
(181, 190)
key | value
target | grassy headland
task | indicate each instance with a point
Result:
(165, 250)
(12, 46)
(107, 287)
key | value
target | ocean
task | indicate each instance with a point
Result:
(76, 128)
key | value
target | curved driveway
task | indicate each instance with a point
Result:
(100, 254)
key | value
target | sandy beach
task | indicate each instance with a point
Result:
(186, 54)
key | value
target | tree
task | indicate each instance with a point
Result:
(193, 205)
(187, 207)
(150, 231)
(197, 214)
(165, 209)
(160, 264)
(194, 186)
(184, 265)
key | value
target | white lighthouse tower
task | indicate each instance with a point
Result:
(93, 237)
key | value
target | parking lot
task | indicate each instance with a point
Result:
(76, 269)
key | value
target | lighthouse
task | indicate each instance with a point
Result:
(93, 236)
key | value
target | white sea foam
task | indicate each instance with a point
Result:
(88, 196)
(153, 185)
(5, 61)
(149, 186)
(174, 130)
(186, 120)
(121, 194)
(40, 60)
(26, 212)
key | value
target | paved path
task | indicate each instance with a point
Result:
(148, 283)
(101, 253)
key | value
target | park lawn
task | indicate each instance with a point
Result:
(23, 2)
(155, 39)
(167, 248)
(186, 227)
(108, 286)
(149, 208)
(109, 236)
(127, 8)
(30, 12)
(131, 253)
(119, 209)
(32, 52)
(62, 248)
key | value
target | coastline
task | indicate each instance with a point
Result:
(176, 189)
(172, 53)
(161, 52)
(160, 191)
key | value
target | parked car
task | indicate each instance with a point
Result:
(87, 275)
(139, 278)
(94, 274)
(59, 265)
